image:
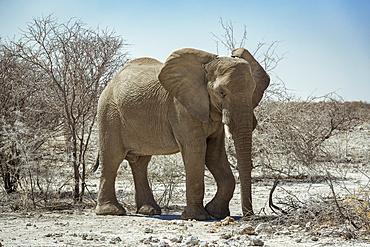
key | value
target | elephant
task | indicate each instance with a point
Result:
(150, 108)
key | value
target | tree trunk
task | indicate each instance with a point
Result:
(76, 192)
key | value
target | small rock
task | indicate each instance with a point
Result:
(257, 242)
(177, 239)
(283, 232)
(264, 228)
(298, 240)
(324, 226)
(246, 229)
(202, 244)
(314, 238)
(155, 240)
(29, 224)
(148, 230)
(245, 238)
(163, 244)
(146, 240)
(61, 224)
(225, 235)
(309, 224)
(192, 240)
(58, 235)
(117, 239)
(227, 221)
(223, 243)
(326, 232)
(293, 227)
(233, 242)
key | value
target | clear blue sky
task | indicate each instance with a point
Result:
(328, 41)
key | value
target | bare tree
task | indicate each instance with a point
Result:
(26, 122)
(78, 63)
(228, 39)
(265, 53)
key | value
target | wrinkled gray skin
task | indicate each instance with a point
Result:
(150, 108)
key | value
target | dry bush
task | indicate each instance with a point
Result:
(357, 207)
(167, 177)
(26, 125)
(78, 63)
(296, 133)
(347, 216)
(51, 78)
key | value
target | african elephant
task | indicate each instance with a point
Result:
(150, 108)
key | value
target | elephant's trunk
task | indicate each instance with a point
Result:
(241, 131)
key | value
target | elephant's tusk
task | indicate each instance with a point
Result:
(227, 132)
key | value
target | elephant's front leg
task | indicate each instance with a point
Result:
(218, 165)
(194, 160)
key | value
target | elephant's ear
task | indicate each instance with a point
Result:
(183, 75)
(260, 76)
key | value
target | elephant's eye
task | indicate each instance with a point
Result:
(222, 93)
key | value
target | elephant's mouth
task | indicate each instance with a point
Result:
(219, 107)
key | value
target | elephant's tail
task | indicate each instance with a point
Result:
(95, 166)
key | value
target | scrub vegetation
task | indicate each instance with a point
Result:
(50, 82)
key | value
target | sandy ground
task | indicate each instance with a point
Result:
(76, 226)
(81, 227)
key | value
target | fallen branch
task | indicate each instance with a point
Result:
(271, 204)
(330, 183)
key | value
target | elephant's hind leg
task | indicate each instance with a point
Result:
(111, 156)
(145, 202)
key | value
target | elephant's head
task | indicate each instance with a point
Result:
(231, 85)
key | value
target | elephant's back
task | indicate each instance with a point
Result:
(142, 104)
(138, 72)
(144, 61)
(135, 83)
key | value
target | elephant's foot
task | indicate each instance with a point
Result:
(110, 209)
(218, 210)
(197, 214)
(149, 209)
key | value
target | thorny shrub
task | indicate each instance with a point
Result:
(166, 176)
(32, 161)
(53, 83)
(357, 206)
(321, 211)
(296, 133)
